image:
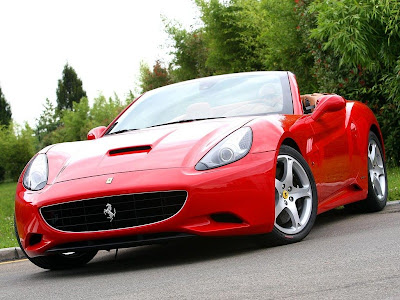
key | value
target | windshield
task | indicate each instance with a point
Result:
(221, 96)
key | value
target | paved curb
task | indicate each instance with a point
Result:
(15, 253)
(7, 254)
(393, 202)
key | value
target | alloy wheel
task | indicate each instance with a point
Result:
(376, 170)
(293, 196)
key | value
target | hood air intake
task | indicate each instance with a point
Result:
(129, 150)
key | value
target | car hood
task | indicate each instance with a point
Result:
(168, 146)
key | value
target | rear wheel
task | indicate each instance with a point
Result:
(295, 197)
(60, 260)
(377, 179)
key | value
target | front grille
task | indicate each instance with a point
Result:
(98, 214)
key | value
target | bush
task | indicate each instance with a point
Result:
(356, 47)
(18, 147)
(2, 174)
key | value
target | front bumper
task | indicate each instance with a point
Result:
(244, 189)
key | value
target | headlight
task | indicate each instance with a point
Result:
(35, 177)
(232, 148)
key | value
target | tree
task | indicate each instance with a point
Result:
(158, 77)
(69, 89)
(361, 50)
(129, 98)
(76, 125)
(286, 41)
(47, 122)
(190, 53)
(233, 31)
(5, 110)
(104, 111)
(242, 35)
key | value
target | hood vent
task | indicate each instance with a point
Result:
(129, 150)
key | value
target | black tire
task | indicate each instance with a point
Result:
(297, 195)
(58, 261)
(377, 179)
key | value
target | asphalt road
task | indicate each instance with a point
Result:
(345, 257)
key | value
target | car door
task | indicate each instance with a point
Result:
(330, 140)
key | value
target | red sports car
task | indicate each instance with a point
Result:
(237, 154)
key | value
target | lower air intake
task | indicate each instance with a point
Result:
(226, 218)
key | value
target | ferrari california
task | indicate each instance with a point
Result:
(237, 154)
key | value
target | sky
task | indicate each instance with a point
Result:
(104, 41)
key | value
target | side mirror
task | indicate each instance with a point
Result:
(95, 133)
(328, 103)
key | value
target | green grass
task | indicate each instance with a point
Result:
(7, 194)
(394, 183)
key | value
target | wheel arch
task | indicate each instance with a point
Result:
(291, 143)
(374, 128)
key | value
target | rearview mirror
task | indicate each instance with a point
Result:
(328, 103)
(95, 133)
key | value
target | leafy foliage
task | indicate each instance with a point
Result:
(240, 36)
(286, 46)
(5, 110)
(18, 146)
(360, 57)
(151, 79)
(189, 55)
(104, 111)
(75, 124)
(233, 31)
(69, 89)
(47, 122)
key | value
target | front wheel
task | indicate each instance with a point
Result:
(296, 200)
(60, 260)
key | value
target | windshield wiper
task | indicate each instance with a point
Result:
(122, 131)
(185, 121)
(175, 122)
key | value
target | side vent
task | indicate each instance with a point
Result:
(129, 150)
